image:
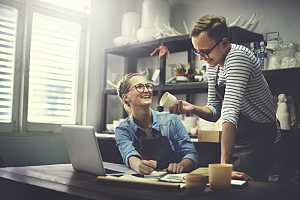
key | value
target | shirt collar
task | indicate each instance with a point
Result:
(155, 123)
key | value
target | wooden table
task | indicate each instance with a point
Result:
(62, 182)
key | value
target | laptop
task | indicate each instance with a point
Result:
(84, 152)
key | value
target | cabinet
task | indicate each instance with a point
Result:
(131, 54)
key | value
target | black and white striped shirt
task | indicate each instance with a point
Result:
(247, 92)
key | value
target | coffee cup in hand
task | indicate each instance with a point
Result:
(167, 100)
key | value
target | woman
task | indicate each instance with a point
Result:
(237, 91)
(147, 139)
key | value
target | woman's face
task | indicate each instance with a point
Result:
(140, 93)
(213, 52)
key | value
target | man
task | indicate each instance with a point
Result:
(237, 91)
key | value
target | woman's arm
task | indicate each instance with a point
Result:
(142, 166)
(185, 147)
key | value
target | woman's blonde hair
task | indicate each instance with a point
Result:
(215, 27)
(123, 88)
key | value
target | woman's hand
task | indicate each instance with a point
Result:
(182, 107)
(175, 168)
(145, 167)
(240, 176)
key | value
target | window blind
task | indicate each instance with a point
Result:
(54, 62)
(8, 27)
(83, 6)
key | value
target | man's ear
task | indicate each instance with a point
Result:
(225, 41)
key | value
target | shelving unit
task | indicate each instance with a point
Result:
(133, 52)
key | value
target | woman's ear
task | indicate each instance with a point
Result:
(126, 100)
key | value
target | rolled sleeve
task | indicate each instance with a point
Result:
(125, 144)
(215, 112)
(185, 146)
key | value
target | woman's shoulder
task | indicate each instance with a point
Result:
(124, 123)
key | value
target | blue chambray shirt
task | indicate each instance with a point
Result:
(168, 125)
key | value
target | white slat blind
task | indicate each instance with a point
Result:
(83, 6)
(54, 61)
(8, 23)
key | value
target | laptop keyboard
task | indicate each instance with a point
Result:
(110, 171)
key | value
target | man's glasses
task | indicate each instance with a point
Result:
(204, 53)
(140, 87)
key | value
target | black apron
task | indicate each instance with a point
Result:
(252, 151)
(156, 147)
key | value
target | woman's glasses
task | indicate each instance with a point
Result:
(204, 53)
(140, 87)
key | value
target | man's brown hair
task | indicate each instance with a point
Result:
(215, 27)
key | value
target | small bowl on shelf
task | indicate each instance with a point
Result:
(110, 127)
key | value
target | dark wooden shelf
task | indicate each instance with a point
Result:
(281, 72)
(189, 87)
(283, 80)
(175, 44)
(176, 88)
(178, 43)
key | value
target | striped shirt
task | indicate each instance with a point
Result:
(247, 92)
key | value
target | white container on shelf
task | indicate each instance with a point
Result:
(297, 56)
(155, 13)
(274, 62)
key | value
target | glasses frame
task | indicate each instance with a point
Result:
(205, 52)
(145, 85)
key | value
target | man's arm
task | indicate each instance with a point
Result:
(184, 107)
(203, 112)
(227, 141)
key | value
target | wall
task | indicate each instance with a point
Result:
(273, 15)
(37, 149)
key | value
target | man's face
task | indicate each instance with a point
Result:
(213, 52)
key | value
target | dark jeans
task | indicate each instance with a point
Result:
(253, 150)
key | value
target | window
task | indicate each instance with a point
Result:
(42, 58)
(77, 5)
(8, 22)
(54, 57)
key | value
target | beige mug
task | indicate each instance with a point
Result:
(219, 176)
(167, 100)
(195, 182)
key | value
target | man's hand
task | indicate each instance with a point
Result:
(175, 168)
(145, 167)
(182, 107)
(240, 176)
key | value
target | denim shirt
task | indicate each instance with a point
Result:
(168, 125)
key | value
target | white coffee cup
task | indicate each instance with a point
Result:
(219, 176)
(167, 100)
